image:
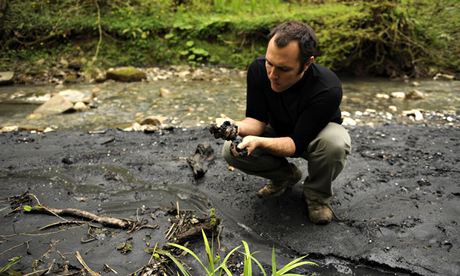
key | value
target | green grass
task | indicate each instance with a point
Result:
(214, 265)
(152, 32)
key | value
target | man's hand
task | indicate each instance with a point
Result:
(279, 146)
(249, 143)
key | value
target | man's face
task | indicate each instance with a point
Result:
(282, 64)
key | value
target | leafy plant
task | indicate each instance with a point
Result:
(215, 266)
(194, 54)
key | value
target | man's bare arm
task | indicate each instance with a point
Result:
(250, 126)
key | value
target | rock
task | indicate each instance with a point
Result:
(415, 95)
(165, 93)
(414, 113)
(80, 107)
(382, 96)
(348, 122)
(398, 95)
(76, 96)
(9, 129)
(70, 77)
(6, 77)
(393, 108)
(346, 114)
(31, 128)
(56, 105)
(440, 76)
(39, 99)
(152, 120)
(415, 83)
(126, 74)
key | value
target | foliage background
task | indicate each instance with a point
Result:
(383, 38)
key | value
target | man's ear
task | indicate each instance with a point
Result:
(307, 64)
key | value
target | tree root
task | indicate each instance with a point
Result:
(130, 225)
(106, 221)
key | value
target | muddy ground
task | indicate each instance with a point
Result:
(398, 201)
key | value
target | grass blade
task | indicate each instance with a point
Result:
(293, 264)
(259, 265)
(179, 265)
(191, 253)
(208, 252)
(223, 265)
(247, 260)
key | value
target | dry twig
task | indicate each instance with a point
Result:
(87, 268)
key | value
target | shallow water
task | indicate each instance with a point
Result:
(198, 102)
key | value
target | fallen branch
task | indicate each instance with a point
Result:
(59, 223)
(107, 221)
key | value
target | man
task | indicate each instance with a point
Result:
(292, 111)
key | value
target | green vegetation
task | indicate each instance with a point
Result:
(7, 268)
(216, 266)
(388, 37)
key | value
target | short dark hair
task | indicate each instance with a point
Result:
(300, 32)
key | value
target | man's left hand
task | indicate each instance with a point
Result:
(250, 143)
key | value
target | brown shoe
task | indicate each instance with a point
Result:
(273, 189)
(319, 212)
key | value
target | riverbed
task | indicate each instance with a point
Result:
(397, 201)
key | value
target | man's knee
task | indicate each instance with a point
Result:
(334, 144)
(226, 152)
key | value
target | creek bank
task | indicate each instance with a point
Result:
(397, 198)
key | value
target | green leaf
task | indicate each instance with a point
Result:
(27, 208)
(224, 263)
(179, 265)
(189, 43)
(208, 251)
(183, 248)
(247, 259)
(293, 264)
(10, 263)
(259, 265)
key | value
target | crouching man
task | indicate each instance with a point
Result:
(292, 111)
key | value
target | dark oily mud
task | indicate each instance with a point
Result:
(398, 200)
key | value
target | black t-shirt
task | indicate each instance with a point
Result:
(299, 112)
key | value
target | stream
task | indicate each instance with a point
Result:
(190, 101)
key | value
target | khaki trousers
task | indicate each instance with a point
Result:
(326, 156)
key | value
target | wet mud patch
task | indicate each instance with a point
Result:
(397, 200)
